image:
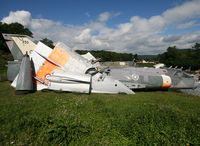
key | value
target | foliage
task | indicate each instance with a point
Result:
(196, 46)
(135, 57)
(146, 118)
(48, 42)
(113, 56)
(13, 28)
(185, 58)
(147, 57)
(108, 55)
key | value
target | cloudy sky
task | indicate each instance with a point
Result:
(141, 26)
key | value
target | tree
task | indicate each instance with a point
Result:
(48, 42)
(108, 55)
(187, 58)
(196, 46)
(135, 57)
(13, 28)
(196, 56)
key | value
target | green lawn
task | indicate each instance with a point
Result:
(49, 118)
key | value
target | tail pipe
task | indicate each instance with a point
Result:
(166, 81)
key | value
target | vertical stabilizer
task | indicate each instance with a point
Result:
(14, 49)
(18, 45)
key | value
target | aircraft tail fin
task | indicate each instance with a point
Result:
(19, 45)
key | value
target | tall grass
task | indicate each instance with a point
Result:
(147, 118)
(3, 71)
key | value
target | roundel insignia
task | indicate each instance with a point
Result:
(135, 77)
(47, 76)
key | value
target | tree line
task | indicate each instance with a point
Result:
(186, 58)
(108, 55)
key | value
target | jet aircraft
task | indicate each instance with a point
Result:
(39, 67)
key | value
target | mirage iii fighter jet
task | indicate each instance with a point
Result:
(38, 67)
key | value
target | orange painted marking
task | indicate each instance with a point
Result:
(166, 81)
(166, 86)
(59, 56)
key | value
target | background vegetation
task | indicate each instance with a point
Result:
(186, 58)
(108, 55)
(113, 56)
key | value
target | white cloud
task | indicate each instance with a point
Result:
(43, 24)
(186, 11)
(84, 37)
(186, 25)
(104, 16)
(171, 38)
(23, 17)
(138, 35)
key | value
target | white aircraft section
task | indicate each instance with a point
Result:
(38, 59)
(166, 81)
(14, 83)
(24, 44)
(109, 85)
(76, 63)
(88, 56)
(91, 58)
(69, 76)
(68, 81)
(159, 65)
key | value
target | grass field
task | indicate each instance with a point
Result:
(49, 118)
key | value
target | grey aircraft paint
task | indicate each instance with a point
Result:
(13, 69)
(151, 77)
(24, 80)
